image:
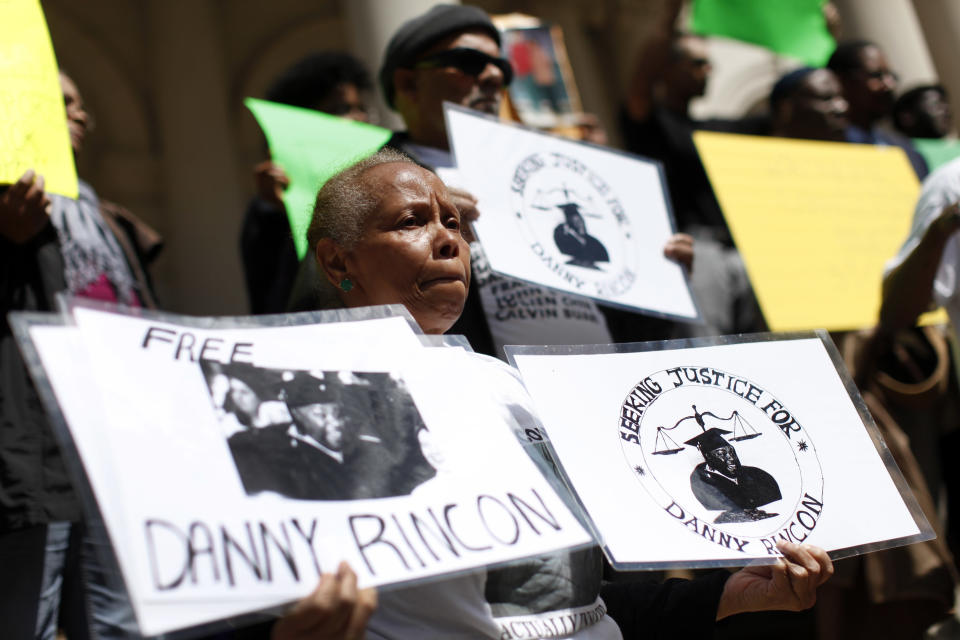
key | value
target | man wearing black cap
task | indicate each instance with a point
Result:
(721, 483)
(450, 53)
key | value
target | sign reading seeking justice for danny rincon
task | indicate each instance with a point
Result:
(570, 216)
(719, 451)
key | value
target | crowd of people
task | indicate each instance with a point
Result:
(389, 231)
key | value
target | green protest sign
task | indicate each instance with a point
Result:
(311, 147)
(937, 152)
(794, 28)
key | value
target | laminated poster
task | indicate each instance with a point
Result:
(570, 216)
(232, 463)
(707, 452)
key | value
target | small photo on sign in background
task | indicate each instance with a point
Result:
(319, 435)
(542, 92)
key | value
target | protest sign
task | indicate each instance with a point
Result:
(709, 452)
(34, 133)
(543, 90)
(252, 458)
(796, 28)
(570, 216)
(311, 147)
(814, 221)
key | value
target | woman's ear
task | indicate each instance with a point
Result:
(331, 258)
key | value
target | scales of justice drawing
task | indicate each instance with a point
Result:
(571, 236)
(721, 482)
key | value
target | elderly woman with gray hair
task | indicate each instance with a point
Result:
(387, 231)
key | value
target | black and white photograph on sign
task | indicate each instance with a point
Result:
(319, 435)
(231, 470)
(722, 446)
(570, 216)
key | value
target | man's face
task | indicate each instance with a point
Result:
(688, 73)
(322, 422)
(932, 114)
(429, 87)
(77, 117)
(725, 460)
(346, 101)
(870, 89)
(819, 109)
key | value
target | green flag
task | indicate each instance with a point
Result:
(937, 152)
(311, 147)
(794, 28)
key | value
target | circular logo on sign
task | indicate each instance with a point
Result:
(574, 224)
(723, 457)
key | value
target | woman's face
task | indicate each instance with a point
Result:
(411, 251)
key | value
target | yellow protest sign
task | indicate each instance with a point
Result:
(814, 221)
(34, 132)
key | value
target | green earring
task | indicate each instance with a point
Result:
(346, 284)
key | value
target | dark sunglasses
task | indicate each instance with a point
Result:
(470, 61)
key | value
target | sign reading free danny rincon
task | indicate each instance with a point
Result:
(714, 450)
(570, 216)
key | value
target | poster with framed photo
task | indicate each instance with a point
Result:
(232, 463)
(543, 91)
(570, 216)
(707, 452)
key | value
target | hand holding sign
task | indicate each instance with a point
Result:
(789, 585)
(271, 181)
(23, 208)
(336, 610)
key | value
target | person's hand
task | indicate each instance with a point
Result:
(789, 585)
(271, 182)
(466, 203)
(336, 610)
(679, 248)
(23, 208)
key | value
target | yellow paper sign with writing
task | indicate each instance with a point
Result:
(815, 222)
(34, 131)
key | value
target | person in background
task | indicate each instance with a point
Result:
(923, 112)
(869, 86)
(671, 71)
(93, 249)
(808, 104)
(331, 82)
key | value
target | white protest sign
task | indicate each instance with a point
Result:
(710, 454)
(570, 216)
(243, 461)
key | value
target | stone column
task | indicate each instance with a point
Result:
(940, 21)
(203, 205)
(371, 24)
(894, 26)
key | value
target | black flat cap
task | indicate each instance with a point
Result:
(418, 34)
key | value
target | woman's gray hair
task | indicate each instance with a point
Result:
(346, 201)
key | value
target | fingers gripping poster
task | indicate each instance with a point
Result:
(570, 216)
(711, 454)
(231, 465)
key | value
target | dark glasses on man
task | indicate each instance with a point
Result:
(470, 61)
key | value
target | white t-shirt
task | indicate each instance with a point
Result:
(518, 312)
(940, 189)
